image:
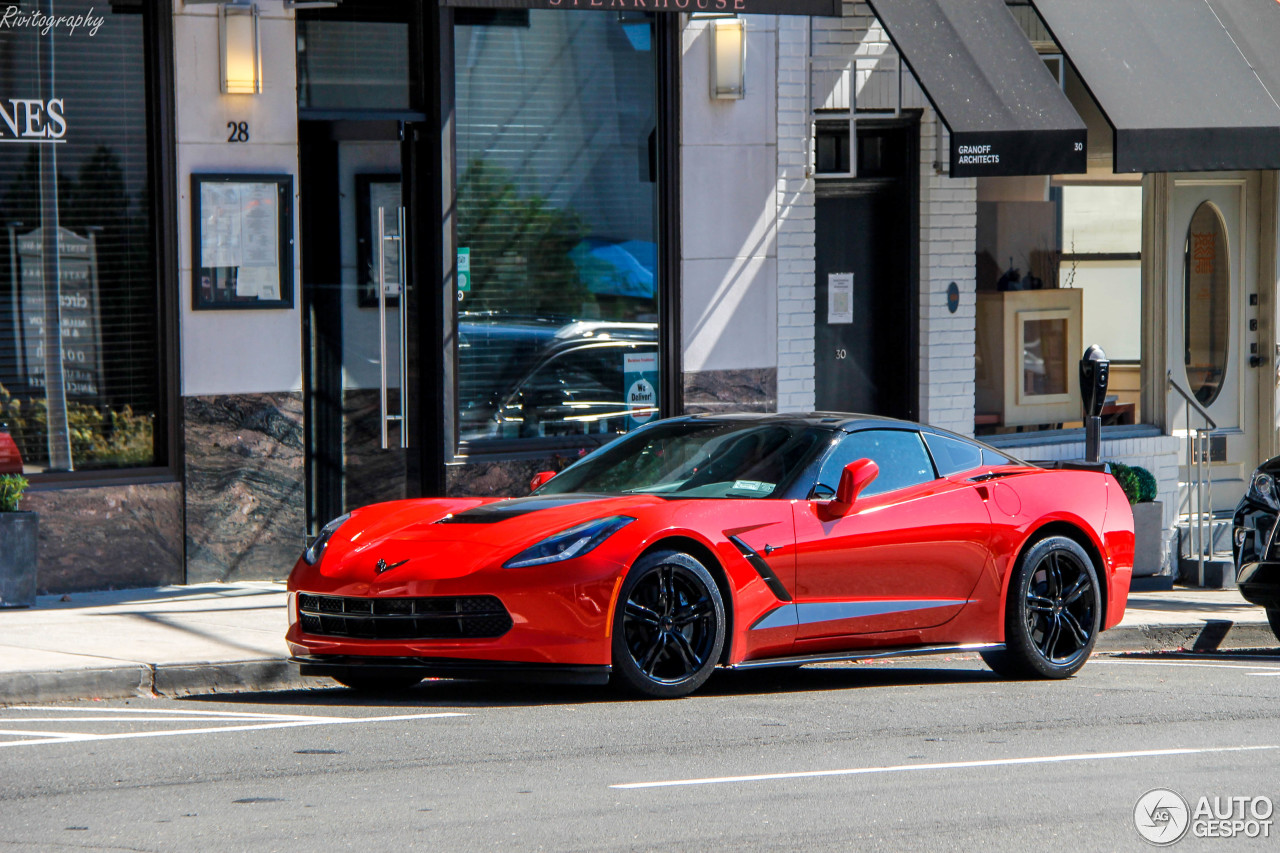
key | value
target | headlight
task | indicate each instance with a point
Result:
(570, 543)
(313, 554)
(1263, 489)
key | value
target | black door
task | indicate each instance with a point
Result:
(359, 315)
(867, 227)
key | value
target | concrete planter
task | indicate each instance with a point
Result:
(1148, 538)
(18, 558)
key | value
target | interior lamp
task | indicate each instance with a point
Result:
(728, 58)
(240, 53)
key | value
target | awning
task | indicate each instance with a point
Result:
(828, 8)
(1172, 82)
(1006, 113)
(1254, 26)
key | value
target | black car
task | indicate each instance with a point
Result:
(1257, 553)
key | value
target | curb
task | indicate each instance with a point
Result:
(1207, 636)
(273, 674)
(147, 680)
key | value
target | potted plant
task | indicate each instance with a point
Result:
(1148, 517)
(18, 532)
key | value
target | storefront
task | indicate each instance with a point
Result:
(87, 347)
(313, 255)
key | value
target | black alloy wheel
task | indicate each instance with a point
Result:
(1054, 612)
(668, 629)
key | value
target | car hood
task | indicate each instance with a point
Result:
(440, 538)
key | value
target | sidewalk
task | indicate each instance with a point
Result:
(213, 638)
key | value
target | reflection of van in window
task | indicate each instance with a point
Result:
(574, 388)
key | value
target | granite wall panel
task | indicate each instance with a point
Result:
(108, 537)
(245, 486)
(717, 391)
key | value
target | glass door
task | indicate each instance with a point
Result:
(356, 303)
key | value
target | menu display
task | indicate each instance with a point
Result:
(242, 241)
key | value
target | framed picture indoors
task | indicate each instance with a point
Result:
(242, 241)
(374, 193)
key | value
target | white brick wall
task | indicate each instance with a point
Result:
(948, 214)
(794, 197)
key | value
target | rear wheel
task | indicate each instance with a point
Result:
(378, 681)
(1053, 615)
(668, 629)
(1273, 616)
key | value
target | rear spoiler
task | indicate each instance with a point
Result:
(1072, 465)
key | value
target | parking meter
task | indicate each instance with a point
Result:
(1095, 369)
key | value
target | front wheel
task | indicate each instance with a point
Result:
(668, 629)
(1053, 615)
(1273, 616)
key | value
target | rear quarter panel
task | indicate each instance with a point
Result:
(1027, 506)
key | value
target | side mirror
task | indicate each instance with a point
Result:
(540, 478)
(853, 479)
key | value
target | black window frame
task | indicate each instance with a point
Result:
(667, 48)
(161, 152)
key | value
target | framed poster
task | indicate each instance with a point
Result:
(242, 241)
(374, 192)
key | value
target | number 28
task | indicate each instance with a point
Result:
(238, 131)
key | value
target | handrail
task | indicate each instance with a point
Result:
(1197, 457)
(1193, 402)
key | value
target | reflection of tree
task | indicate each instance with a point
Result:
(97, 202)
(520, 248)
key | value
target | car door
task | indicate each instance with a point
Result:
(908, 554)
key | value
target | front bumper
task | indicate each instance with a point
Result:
(339, 665)
(1255, 550)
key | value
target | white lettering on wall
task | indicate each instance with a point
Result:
(33, 120)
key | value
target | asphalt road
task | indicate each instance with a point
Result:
(926, 755)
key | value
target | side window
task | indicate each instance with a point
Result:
(900, 454)
(952, 455)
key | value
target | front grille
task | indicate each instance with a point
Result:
(436, 618)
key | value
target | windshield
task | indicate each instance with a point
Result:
(701, 459)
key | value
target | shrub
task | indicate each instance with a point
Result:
(1138, 483)
(11, 488)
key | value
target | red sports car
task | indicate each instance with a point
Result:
(740, 541)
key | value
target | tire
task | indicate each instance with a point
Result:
(1273, 616)
(1054, 612)
(668, 628)
(378, 681)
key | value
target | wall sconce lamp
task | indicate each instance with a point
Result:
(728, 58)
(239, 48)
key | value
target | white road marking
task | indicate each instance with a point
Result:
(290, 722)
(951, 765)
(127, 719)
(1275, 669)
(237, 714)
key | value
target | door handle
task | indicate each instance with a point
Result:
(396, 289)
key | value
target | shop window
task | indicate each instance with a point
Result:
(557, 224)
(353, 64)
(79, 354)
(1059, 269)
(1206, 302)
